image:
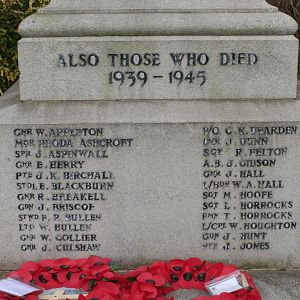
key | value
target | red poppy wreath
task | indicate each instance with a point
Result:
(95, 276)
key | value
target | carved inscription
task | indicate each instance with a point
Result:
(158, 68)
(59, 192)
(67, 178)
(138, 69)
(241, 205)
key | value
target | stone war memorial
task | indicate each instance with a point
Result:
(147, 130)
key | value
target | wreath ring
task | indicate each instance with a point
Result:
(96, 276)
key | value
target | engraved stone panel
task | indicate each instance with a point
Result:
(143, 68)
(139, 192)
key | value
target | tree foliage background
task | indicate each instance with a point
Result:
(292, 8)
(12, 12)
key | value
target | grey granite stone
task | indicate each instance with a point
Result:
(167, 5)
(160, 161)
(162, 173)
(163, 24)
(275, 285)
(97, 18)
(11, 96)
(116, 50)
(151, 111)
(187, 294)
(267, 69)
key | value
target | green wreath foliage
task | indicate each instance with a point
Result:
(12, 12)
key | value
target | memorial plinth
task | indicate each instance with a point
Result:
(180, 167)
(141, 50)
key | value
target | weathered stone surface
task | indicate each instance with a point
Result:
(187, 294)
(167, 5)
(11, 96)
(97, 18)
(152, 111)
(175, 179)
(163, 173)
(145, 68)
(276, 285)
(234, 50)
(219, 24)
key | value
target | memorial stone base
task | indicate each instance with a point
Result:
(147, 130)
(151, 180)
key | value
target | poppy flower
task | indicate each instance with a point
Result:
(136, 272)
(103, 290)
(53, 266)
(31, 297)
(63, 270)
(63, 264)
(160, 268)
(94, 270)
(188, 280)
(108, 287)
(155, 280)
(185, 273)
(175, 268)
(147, 290)
(164, 291)
(143, 283)
(227, 269)
(46, 280)
(196, 264)
(25, 272)
(99, 272)
(95, 261)
(4, 296)
(175, 265)
(129, 277)
(213, 271)
(79, 280)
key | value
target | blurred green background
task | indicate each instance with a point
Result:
(12, 12)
